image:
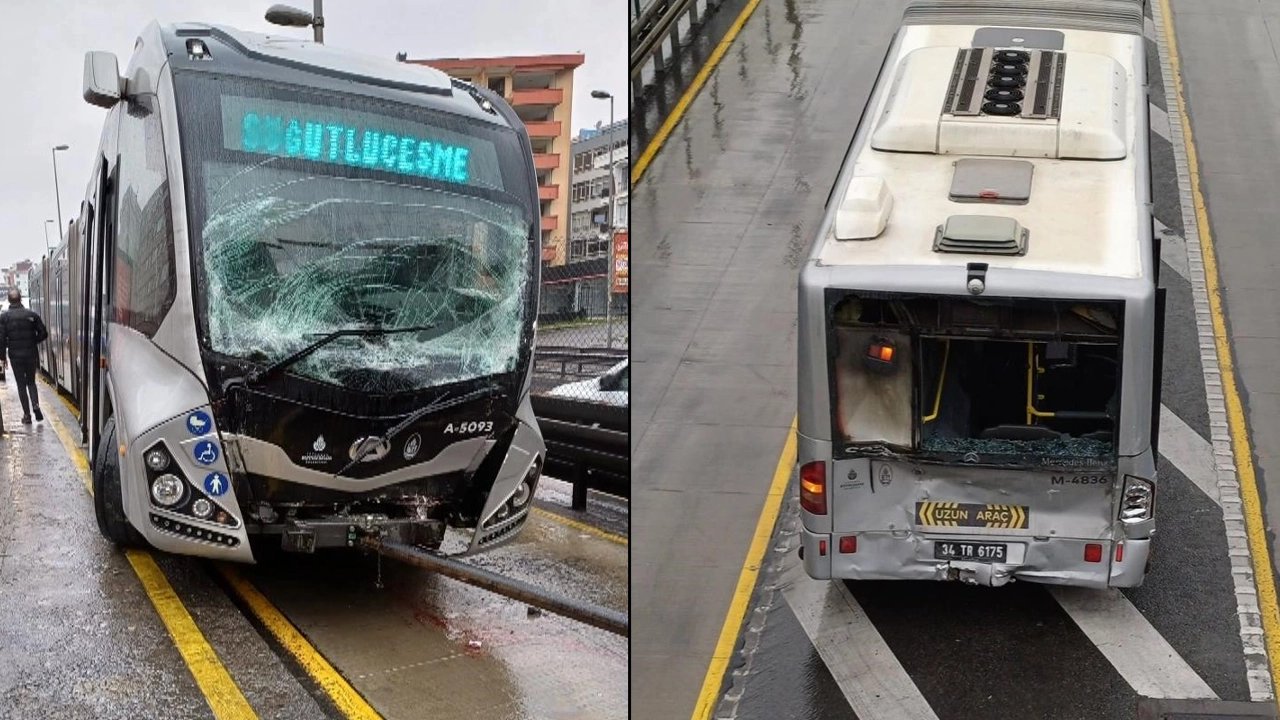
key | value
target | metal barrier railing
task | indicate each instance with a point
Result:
(588, 445)
(655, 35)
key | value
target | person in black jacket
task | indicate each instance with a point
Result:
(21, 332)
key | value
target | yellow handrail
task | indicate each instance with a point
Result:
(942, 378)
(1032, 412)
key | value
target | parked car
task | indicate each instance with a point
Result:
(611, 388)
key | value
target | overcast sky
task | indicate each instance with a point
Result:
(43, 42)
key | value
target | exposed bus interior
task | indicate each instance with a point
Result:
(1012, 382)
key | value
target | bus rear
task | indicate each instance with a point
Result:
(979, 439)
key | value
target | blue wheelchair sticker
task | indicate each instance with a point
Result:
(215, 484)
(205, 452)
(199, 423)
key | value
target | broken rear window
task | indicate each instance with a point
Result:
(1026, 381)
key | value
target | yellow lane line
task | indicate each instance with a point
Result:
(578, 525)
(1254, 526)
(747, 579)
(224, 697)
(646, 157)
(343, 695)
(219, 689)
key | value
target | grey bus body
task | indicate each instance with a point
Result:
(980, 327)
(302, 300)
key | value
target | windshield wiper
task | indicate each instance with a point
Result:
(440, 404)
(258, 376)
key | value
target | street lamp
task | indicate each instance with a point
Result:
(293, 17)
(46, 237)
(613, 196)
(57, 193)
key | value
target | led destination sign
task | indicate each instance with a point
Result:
(356, 139)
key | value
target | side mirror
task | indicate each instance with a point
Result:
(101, 79)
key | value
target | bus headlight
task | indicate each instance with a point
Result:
(201, 508)
(1138, 501)
(521, 495)
(157, 459)
(167, 490)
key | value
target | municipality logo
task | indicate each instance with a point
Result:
(318, 456)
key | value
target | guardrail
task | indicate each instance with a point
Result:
(567, 364)
(656, 34)
(588, 445)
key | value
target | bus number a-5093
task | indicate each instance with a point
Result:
(468, 428)
(1081, 480)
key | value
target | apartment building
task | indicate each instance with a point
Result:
(540, 89)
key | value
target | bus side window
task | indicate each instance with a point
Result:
(146, 282)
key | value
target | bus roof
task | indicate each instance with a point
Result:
(300, 61)
(1056, 179)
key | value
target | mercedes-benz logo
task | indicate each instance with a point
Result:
(372, 448)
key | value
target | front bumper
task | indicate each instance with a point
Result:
(1056, 561)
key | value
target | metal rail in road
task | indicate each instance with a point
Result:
(593, 615)
(655, 35)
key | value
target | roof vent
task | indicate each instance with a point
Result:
(1018, 83)
(981, 235)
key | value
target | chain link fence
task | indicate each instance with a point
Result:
(582, 344)
(582, 382)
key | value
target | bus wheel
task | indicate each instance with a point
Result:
(108, 502)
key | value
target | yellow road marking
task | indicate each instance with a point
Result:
(343, 695)
(219, 689)
(637, 171)
(578, 525)
(1255, 528)
(747, 579)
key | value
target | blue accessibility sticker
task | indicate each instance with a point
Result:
(205, 452)
(215, 483)
(199, 423)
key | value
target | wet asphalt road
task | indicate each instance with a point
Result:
(80, 638)
(723, 215)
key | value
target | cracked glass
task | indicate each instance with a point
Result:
(325, 215)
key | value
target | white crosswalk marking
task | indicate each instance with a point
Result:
(1159, 120)
(1188, 452)
(1173, 250)
(1135, 649)
(1124, 636)
(871, 678)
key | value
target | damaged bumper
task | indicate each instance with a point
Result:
(1055, 561)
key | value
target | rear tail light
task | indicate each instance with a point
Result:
(881, 356)
(813, 487)
(1119, 552)
(822, 548)
(1137, 504)
(849, 544)
(1093, 553)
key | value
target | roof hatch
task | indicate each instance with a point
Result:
(992, 181)
(1011, 102)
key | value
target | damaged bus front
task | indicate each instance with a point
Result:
(350, 251)
(975, 438)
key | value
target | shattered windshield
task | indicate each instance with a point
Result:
(320, 216)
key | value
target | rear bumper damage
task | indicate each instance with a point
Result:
(907, 556)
